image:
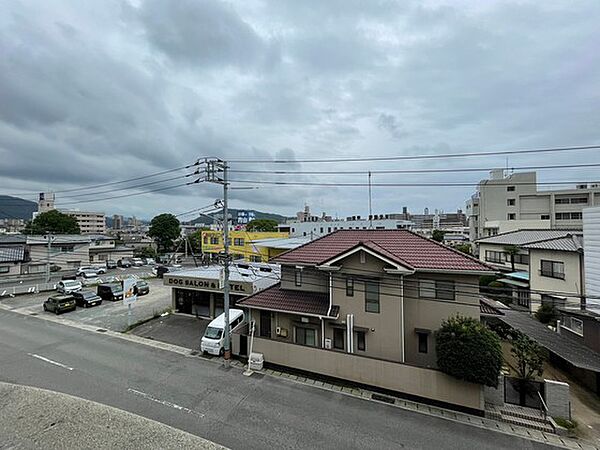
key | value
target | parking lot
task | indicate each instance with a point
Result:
(109, 315)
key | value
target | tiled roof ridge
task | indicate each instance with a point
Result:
(385, 252)
(262, 291)
(528, 229)
(304, 245)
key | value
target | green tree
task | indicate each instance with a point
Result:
(146, 252)
(511, 251)
(465, 248)
(437, 235)
(469, 351)
(529, 356)
(262, 225)
(164, 229)
(195, 240)
(546, 314)
(52, 222)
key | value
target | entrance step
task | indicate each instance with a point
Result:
(521, 416)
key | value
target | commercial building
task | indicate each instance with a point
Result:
(516, 197)
(548, 266)
(89, 222)
(322, 228)
(104, 248)
(199, 291)
(364, 305)
(240, 244)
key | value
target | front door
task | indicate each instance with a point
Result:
(265, 324)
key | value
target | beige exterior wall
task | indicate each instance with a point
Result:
(500, 248)
(66, 260)
(313, 280)
(570, 284)
(89, 222)
(425, 383)
(14, 268)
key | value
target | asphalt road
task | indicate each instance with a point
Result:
(221, 405)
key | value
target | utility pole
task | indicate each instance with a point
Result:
(370, 207)
(49, 237)
(214, 167)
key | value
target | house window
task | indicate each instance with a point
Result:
(493, 256)
(545, 217)
(423, 341)
(523, 298)
(510, 188)
(361, 341)
(349, 287)
(511, 216)
(238, 242)
(371, 296)
(552, 269)
(510, 202)
(298, 277)
(521, 258)
(214, 240)
(442, 290)
(4, 269)
(338, 338)
(306, 336)
(574, 324)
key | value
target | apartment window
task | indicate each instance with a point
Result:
(576, 215)
(338, 338)
(239, 242)
(511, 216)
(306, 336)
(329, 229)
(510, 202)
(545, 217)
(298, 277)
(67, 248)
(520, 258)
(579, 200)
(569, 216)
(561, 201)
(423, 338)
(371, 296)
(510, 188)
(4, 269)
(494, 256)
(361, 341)
(214, 240)
(442, 290)
(552, 269)
(349, 287)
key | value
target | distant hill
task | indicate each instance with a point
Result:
(233, 212)
(16, 208)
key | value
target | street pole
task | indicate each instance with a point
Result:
(227, 343)
(129, 315)
(48, 262)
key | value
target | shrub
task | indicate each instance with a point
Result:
(546, 314)
(469, 351)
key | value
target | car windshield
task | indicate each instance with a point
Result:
(71, 283)
(89, 294)
(213, 333)
(142, 284)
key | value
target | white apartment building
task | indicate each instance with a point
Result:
(591, 245)
(321, 228)
(89, 222)
(502, 199)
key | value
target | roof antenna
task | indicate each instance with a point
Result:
(370, 204)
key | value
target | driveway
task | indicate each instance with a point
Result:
(177, 329)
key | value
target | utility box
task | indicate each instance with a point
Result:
(256, 361)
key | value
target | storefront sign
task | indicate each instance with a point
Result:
(203, 284)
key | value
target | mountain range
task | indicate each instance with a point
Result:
(16, 208)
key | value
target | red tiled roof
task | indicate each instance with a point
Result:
(299, 302)
(402, 246)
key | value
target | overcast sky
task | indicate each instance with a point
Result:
(99, 91)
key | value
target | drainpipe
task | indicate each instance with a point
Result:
(349, 333)
(582, 301)
(402, 354)
(330, 293)
(322, 333)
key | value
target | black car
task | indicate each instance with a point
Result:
(142, 288)
(124, 263)
(110, 291)
(86, 298)
(111, 264)
(60, 303)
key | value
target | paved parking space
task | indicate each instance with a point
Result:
(109, 315)
(177, 329)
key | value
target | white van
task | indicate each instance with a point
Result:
(213, 339)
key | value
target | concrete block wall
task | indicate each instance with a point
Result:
(495, 396)
(558, 399)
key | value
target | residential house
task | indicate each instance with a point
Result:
(364, 305)
(104, 248)
(241, 244)
(11, 260)
(547, 268)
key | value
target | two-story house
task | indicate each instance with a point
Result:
(364, 305)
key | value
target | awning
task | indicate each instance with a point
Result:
(513, 282)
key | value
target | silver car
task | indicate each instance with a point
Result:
(68, 286)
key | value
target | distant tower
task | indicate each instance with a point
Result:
(46, 202)
(426, 211)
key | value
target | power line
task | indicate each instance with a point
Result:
(392, 171)
(416, 157)
(127, 187)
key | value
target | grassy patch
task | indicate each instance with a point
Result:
(568, 424)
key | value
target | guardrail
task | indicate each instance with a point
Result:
(543, 406)
(20, 290)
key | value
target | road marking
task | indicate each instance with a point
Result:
(56, 363)
(164, 402)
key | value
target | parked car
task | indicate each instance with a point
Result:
(149, 261)
(60, 303)
(212, 341)
(68, 286)
(159, 271)
(110, 291)
(124, 263)
(111, 264)
(89, 273)
(99, 268)
(142, 287)
(138, 262)
(70, 275)
(86, 298)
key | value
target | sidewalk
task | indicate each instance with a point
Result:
(32, 418)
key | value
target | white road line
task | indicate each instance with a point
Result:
(164, 402)
(56, 363)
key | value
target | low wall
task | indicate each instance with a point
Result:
(414, 381)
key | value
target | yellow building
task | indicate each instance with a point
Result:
(241, 244)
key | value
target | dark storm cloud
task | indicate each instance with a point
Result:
(103, 91)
